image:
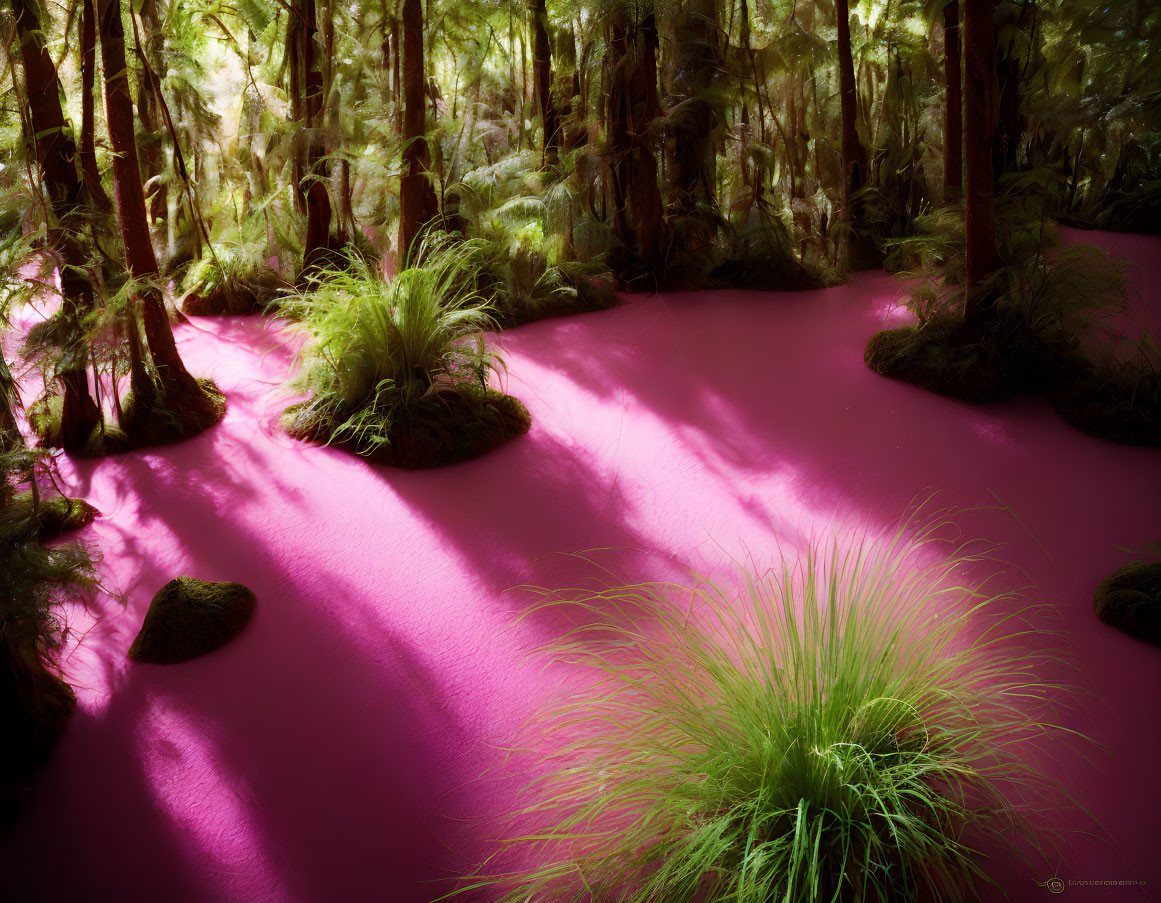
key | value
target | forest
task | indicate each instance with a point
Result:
(544, 450)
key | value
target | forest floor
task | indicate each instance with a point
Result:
(341, 747)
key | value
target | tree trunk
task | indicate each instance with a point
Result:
(417, 201)
(542, 78)
(88, 152)
(854, 157)
(695, 65)
(56, 154)
(150, 151)
(953, 102)
(980, 113)
(309, 86)
(180, 389)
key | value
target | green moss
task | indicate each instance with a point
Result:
(938, 357)
(56, 515)
(229, 285)
(1122, 403)
(164, 423)
(1129, 599)
(190, 617)
(449, 426)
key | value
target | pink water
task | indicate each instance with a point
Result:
(336, 750)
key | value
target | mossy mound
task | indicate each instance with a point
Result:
(451, 425)
(1121, 405)
(209, 292)
(164, 422)
(592, 293)
(190, 617)
(55, 515)
(1129, 599)
(938, 357)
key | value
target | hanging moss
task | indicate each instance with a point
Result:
(1129, 599)
(190, 617)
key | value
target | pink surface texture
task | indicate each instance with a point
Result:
(346, 746)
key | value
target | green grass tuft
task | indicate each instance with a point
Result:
(398, 370)
(848, 729)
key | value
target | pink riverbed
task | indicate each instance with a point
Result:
(342, 747)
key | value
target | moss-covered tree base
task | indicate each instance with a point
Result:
(939, 358)
(159, 423)
(453, 425)
(190, 617)
(1129, 599)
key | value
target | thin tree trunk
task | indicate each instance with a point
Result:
(417, 201)
(953, 103)
(696, 62)
(854, 157)
(318, 201)
(179, 387)
(88, 152)
(56, 154)
(980, 114)
(542, 78)
(150, 151)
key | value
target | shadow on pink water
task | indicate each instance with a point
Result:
(331, 751)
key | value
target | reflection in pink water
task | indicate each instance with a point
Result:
(332, 751)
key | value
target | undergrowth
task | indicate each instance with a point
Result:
(398, 371)
(850, 728)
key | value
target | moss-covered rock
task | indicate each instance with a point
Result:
(190, 617)
(1129, 599)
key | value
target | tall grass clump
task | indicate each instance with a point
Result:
(398, 371)
(850, 728)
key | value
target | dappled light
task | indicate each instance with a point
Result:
(564, 452)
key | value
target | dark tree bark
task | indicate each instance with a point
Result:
(309, 87)
(953, 113)
(633, 105)
(417, 201)
(88, 151)
(1009, 131)
(980, 114)
(56, 154)
(697, 60)
(150, 150)
(182, 393)
(853, 154)
(542, 77)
